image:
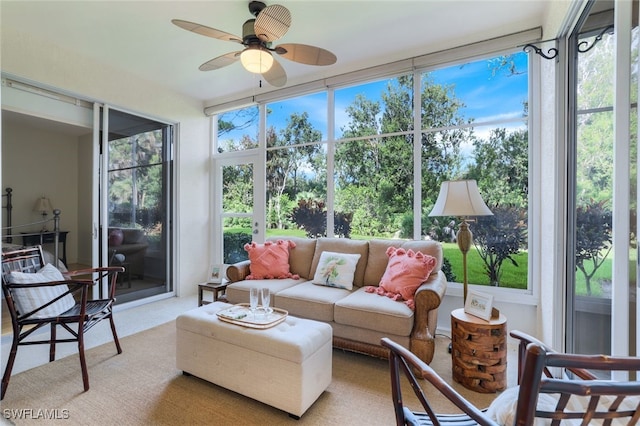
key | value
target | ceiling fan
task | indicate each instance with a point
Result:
(270, 23)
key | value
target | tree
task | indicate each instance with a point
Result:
(501, 167)
(593, 238)
(497, 238)
(299, 150)
(374, 175)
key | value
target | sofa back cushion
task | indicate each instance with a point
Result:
(301, 256)
(133, 236)
(343, 245)
(377, 262)
(378, 259)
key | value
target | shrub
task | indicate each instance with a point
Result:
(311, 216)
(497, 238)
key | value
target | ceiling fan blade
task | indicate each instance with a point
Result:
(305, 54)
(206, 31)
(276, 75)
(272, 22)
(220, 61)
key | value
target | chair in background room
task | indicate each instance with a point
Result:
(37, 294)
(576, 396)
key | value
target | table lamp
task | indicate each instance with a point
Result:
(461, 198)
(43, 206)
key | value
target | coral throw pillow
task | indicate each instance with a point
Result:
(269, 260)
(405, 272)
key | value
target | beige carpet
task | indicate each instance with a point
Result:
(143, 387)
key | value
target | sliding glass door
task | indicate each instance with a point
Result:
(135, 203)
(602, 243)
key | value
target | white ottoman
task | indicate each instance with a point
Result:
(286, 366)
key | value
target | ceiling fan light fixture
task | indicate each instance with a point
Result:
(256, 60)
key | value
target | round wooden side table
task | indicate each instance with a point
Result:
(479, 352)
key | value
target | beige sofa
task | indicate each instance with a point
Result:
(359, 319)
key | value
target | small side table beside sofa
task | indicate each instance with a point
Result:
(218, 290)
(479, 352)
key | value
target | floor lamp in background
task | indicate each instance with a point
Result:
(461, 198)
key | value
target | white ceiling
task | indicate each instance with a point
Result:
(138, 37)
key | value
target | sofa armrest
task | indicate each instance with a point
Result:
(427, 300)
(238, 271)
(430, 294)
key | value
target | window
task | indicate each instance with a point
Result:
(343, 162)
(238, 130)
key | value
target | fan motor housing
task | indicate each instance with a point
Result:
(249, 34)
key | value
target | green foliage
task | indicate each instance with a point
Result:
(135, 192)
(447, 270)
(279, 210)
(442, 229)
(501, 167)
(497, 238)
(234, 246)
(311, 216)
(593, 238)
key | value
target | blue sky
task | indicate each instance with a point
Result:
(488, 96)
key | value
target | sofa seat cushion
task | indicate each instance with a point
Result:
(238, 292)
(311, 301)
(370, 311)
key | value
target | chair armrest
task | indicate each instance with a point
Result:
(402, 359)
(238, 271)
(88, 271)
(525, 339)
(106, 271)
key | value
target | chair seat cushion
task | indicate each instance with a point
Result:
(28, 299)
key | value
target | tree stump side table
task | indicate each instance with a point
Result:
(479, 352)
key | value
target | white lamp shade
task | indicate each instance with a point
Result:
(43, 205)
(460, 198)
(256, 60)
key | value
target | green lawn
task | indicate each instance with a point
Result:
(512, 276)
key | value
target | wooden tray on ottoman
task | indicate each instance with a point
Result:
(240, 314)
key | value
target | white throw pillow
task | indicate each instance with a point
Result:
(336, 270)
(28, 299)
(503, 408)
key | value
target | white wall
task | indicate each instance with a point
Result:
(40, 164)
(37, 60)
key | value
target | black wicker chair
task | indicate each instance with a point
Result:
(65, 302)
